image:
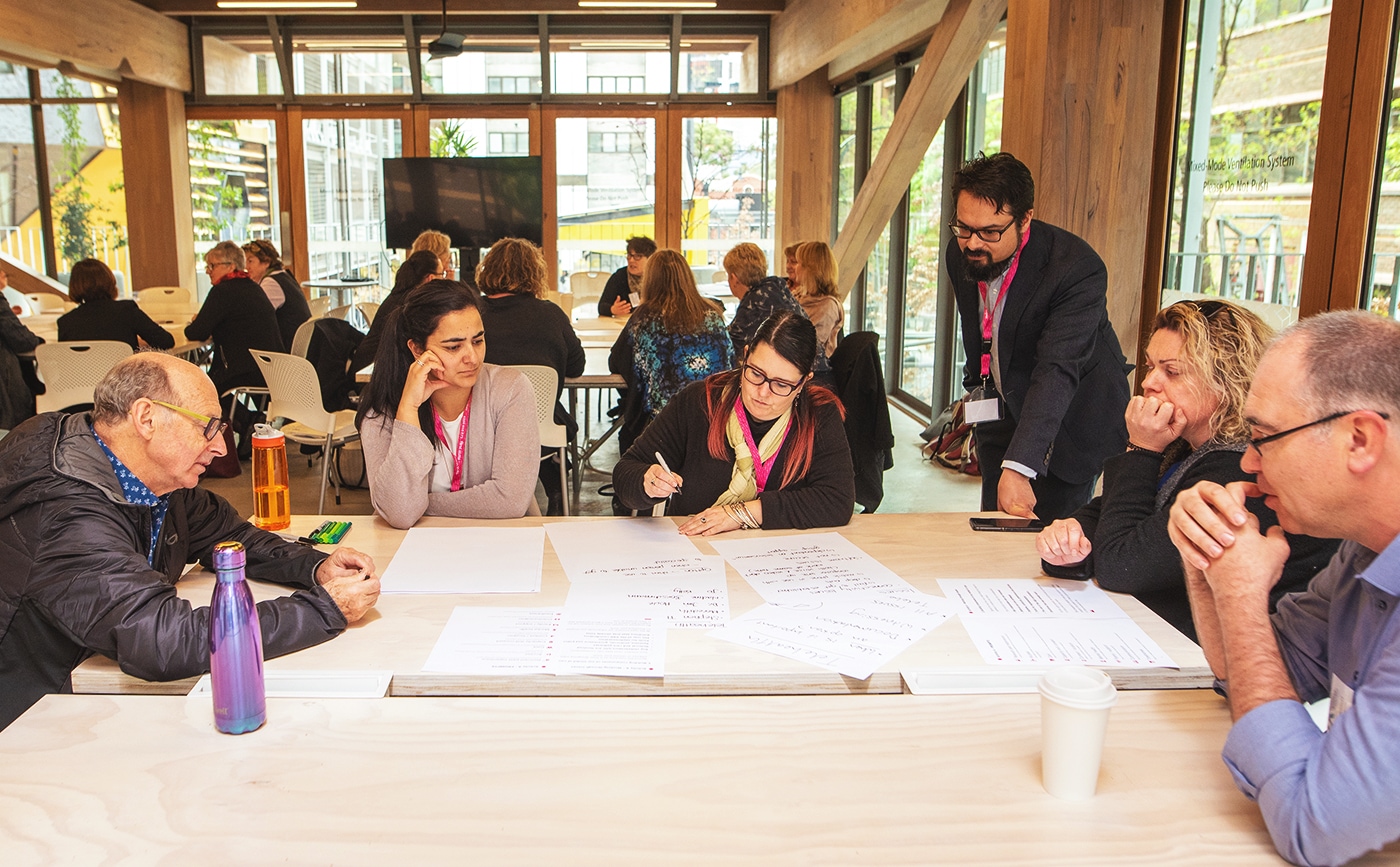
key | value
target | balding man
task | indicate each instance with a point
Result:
(99, 514)
(1324, 407)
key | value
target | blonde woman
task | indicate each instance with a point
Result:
(439, 245)
(1187, 426)
(815, 270)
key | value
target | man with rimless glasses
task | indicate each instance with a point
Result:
(1323, 407)
(100, 513)
(1046, 378)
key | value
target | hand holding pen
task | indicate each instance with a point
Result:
(659, 481)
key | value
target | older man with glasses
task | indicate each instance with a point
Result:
(99, 513)
(1325, 455)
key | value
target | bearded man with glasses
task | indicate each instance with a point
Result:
(99, 514)
(1046, 377)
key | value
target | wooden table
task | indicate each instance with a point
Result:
(793, 780)
(401, 632)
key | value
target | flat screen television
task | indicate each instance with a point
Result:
(476, 201)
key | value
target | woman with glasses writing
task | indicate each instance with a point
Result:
(756, 447)
(1187, 426)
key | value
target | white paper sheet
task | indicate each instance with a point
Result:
(802, 569)
(586, 548)
(1116, 642)
(467, 560)
(852, 634)
(620, 647)
(481, 640)
(686, 596)
(1029, 597)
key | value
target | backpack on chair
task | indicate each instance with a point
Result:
(955, 447)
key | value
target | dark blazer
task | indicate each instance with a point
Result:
(860, 383)
(113, 320)
(615, 288)
(239, 317)
(294, 310)
(1063, 375)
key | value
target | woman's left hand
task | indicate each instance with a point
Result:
(710, 522)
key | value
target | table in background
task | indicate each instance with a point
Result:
(401, 632)
(342, 292)
(46, 326)
(791, 780)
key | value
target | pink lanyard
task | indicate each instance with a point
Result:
(761, 468)
(459, 459)
(989, 314)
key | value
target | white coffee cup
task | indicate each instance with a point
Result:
(1074, 706)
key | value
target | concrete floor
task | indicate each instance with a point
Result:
(914, 485)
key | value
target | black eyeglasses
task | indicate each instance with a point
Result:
(213, 427)
(781, 388)
(990, 234)
(1259, 441)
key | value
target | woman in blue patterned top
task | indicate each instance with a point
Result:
(673, 339)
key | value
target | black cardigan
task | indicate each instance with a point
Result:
(824, 497)
(123, 321)
(615, 288)
(238, 315)
(1132, 552)
(523, 329)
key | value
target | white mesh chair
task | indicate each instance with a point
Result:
(350, 313)
(296, 397)
(319, 306)
(586, 287)
(174, 300)
(71, 369)
(545, 381)
(302, 339)
(370, 309)
(47, 302)
(16, 298)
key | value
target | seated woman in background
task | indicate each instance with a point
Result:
(616, 299)
(443, 432)
(440, 245)
(673, 339)
(100, 316)
(419, 269)
(760, 296)
(265, 269)
(1187, 426)
(815, 270)
(526, 329)
(760, 446)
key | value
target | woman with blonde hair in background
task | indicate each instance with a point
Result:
(815, 270)
(1187, 426)
(439, 245)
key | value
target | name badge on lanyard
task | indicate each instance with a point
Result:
(983, 403)
(459, 456)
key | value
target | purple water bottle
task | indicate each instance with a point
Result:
(235, 646)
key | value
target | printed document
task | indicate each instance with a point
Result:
(1029, 597)
(693, 595)
(485, 640)
(1116, 642)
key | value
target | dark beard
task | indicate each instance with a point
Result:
(979, 273)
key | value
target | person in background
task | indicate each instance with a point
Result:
(815, 272)
(759, 295)
(1323, 411)
(1187, 426)
(100, 316)
(673, 339)
(99, 515)
(790, 263)
(418, 269)
(265, 268)
(626, 282)
(16, 396)
(760, 446)
(444, 433)
(526, 329)
(238, 316)
(439, 245)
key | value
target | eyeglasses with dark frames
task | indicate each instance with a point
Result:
(990, 234)
(780, 387)
(213, 427)
(1260, 441)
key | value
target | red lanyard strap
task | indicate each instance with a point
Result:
(989, 313)
(460, 458)
(761, 468)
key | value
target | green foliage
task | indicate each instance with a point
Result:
(73, 205)
(1391, 170)
(449, 140)
(214, 200)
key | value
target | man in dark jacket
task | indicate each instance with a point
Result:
(99, 513)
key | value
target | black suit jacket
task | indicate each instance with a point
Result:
(113, 320)
(239, 317)
(1063, 375)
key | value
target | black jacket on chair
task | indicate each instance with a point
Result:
(860, 383)
(333, 344)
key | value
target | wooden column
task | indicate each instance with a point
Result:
(1080, 112)
(156, 165)
(806, 164)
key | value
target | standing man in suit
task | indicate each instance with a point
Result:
(1047, 380)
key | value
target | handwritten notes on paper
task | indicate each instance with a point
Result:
(852, 634)
(587, 548)
(687, 595)
(467, 560)
(1026, 621)
(802, 569)
(547, 641)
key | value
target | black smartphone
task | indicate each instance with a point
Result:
(1007, 525)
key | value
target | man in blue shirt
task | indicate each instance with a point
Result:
(1324, 407)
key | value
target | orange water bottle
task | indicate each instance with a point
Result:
(272, 502)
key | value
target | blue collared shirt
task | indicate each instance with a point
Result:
(138, 494)
(1329, 798)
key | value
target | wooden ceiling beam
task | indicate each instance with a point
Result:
(109, 40)
(457, 7)
(813, 33)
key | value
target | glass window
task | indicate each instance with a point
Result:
(240, 65)
(21, 227)
(1246, 147)
(233, 183)
(921, 279)
(591, 64)
(718, 64)
(986, 93)
(345, 199)
(727, 183)
(845, 157)
(604, 197)
(1380, 295)
(495, 64)
(350, 67)
(479, 137)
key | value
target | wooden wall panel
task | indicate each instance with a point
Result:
(806, 160)
(156, 165)
(108, 39)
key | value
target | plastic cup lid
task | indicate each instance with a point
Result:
(1078, 686)
(267, 433)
